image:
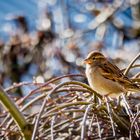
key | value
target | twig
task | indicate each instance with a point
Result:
(99, 128)
(38, 118)
(61, 123)
(132, 124)
(127, 108)
(16, 85)
(52, 125)
(56, 79)
(83, 130)
(110, 116)
(63, 111)
(131, 64)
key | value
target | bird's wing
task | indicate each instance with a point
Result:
(112, 72)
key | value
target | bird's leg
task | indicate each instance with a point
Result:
(118, 101)
(106, 98)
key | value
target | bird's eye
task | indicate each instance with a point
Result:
(93, 58)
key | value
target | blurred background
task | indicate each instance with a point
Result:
(47, 38)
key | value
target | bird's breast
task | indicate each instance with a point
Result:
(100, 84)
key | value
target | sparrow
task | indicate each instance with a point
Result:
(106, 78)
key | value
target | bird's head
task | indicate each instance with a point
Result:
(94, 58)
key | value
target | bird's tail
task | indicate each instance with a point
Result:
(134, 88)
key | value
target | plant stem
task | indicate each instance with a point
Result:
(24, 126)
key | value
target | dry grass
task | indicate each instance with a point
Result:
(72, 110)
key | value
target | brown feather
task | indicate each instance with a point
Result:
(112, 72)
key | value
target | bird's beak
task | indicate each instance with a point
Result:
(87, 61)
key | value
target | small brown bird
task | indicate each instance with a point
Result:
(106, 78)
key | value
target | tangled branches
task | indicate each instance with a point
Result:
(71, 110)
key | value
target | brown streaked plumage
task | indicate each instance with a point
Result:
(105, 77)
